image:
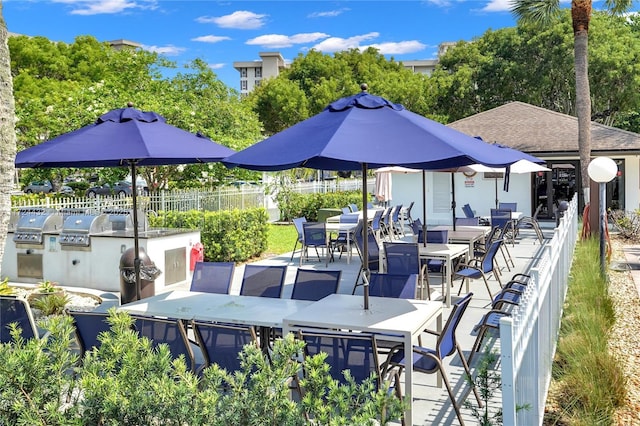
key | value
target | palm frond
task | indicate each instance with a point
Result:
(537, 12)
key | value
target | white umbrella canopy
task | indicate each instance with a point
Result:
(519, 167)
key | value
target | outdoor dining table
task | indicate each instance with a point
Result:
(401, 320)
(265, 312)
(469, 235)
(358, 214)
(446, 252)
(346, 227)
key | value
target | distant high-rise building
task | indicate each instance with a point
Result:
(252, 72)
(123, 44)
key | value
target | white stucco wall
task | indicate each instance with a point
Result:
(480, 193)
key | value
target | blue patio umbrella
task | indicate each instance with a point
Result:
(366, 131)
(124, 137)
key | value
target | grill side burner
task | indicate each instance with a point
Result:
(78, 228)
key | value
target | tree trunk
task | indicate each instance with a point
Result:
(7, 134)
(583, 104)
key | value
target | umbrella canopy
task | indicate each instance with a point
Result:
(383, 191)
(362, 131)
(124, 137)
(519, 167)
(367, 129)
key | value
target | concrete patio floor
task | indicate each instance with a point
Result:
(431, 404)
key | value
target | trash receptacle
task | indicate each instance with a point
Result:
(148, 273)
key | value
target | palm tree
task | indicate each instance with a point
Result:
(543, 12)
(7, 133)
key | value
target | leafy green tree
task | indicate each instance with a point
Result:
(544, 13)
(315, 80)
(534, 65)
(91, 78)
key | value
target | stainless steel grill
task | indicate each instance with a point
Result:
(33, 224)
(78, 228)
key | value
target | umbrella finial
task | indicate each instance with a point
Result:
(364, 87)
(130, 104)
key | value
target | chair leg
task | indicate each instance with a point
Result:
(452, 397)
(478, 342)
(466, 369)
(294, 250)
(486, 284)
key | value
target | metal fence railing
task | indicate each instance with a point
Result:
(528, 338)
(225, 198)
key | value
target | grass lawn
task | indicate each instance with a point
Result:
(281, 239)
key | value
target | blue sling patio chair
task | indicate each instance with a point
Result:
(297, 222)
(480, 268)
(396, 221)
(212, 277)
(393, 285)
(88, 326)
(356, 352)
(315, 284)
(404, 259)
(429, 361)
(263, 280)
(222, 343)
(373, 259)
(503, 220)
(16, 310)
(467, 221)
(315, 235)
(169, 331)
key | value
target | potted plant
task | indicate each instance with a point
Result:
(6, 289)
(46, 288)
(49, 298)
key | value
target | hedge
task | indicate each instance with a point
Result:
(227, 236)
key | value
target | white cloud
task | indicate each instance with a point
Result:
(168, 50)
(92, 7)
(398, 48)
(336, 44)
(217, 66)
(440, 3)
(211, 39)
(328, 14)
(277, 41)
(241, 19)
(498, 6)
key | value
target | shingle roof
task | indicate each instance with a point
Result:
(537, 130)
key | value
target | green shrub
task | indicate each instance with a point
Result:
(590, 380)
(127, 381)
(227, 236)
(293, 204)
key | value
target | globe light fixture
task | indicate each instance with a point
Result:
(602, 170)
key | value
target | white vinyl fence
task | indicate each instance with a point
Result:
(528, 338)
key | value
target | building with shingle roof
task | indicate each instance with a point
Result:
(546, 134)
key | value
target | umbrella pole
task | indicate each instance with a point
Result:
(496, 184)
(365, 236)
(453, 200)
(136, 246)
(424, 208)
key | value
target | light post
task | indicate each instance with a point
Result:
(602, 170)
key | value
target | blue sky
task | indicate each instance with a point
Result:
(221, 32)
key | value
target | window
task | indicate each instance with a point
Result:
(441, 192)
(243, 85)
(243, 72)
(257, 83)
(259, 72)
